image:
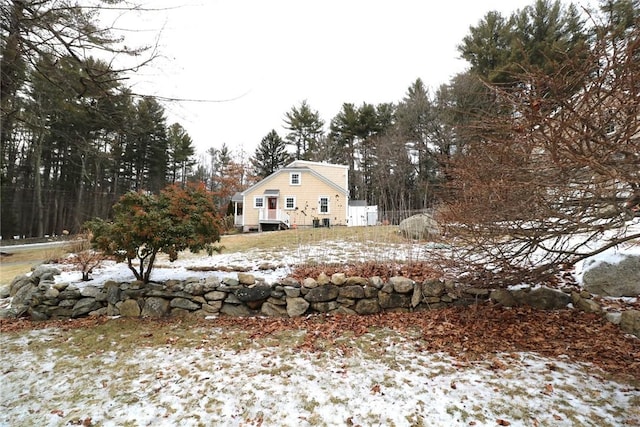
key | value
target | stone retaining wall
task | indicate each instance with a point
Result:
(38, 297)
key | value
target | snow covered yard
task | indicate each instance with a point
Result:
(134, 373)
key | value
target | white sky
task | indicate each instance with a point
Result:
(271, 55)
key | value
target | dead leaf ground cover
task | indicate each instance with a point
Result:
(471, 333)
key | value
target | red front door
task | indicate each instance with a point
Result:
(272, 205)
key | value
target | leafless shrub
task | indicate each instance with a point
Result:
(555, 177)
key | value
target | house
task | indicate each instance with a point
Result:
(301, 194)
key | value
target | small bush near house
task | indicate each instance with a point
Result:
(144, 224)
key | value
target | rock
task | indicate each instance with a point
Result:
(213, 307)
(71, 292)
(613, 317)
(18, 282)
(376, 282)
(416, 298)
(477, 292)
(419, 227)
(394, 300)
(194, 288)
(230, 282)
(232, 299)
(129, 308)
(155, 307)
(113, 292)
(45, 272)
(432, 288)
(323, 279)
(585, 304)
(90, 291)
(84, 306)
(309, 283)
(542, 298)
(102, 311)
(338, 278)
(342, 311)
(356, 281)
(256, 293)
(273, 310)
(235, 310)
(37, 315)
(322, 293)
(401, 285)
(51, 293)
(292, 292)
(8, 313)
(370, 292)
(630, 322)
(503, 297)
(246, 279)
(367, 306)
(289, 281)
(62, 286)
(614, 280)
(5, 291)
(184, 303)
(277, 301)
(325, 307)
(296, 306)
(215, 296)
(346, 302)
(354, 292)
(22, 298)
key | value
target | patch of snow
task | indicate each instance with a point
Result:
(281, 386)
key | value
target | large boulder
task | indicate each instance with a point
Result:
(419, 227)
(542, 298)
(611, 279)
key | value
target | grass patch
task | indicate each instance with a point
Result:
(22, 261)
(292, 239)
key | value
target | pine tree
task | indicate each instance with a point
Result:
(305, 128)
(270, 155)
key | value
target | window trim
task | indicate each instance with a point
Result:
(320, 205)
(293, 203)
(291, 175)
(255, 202)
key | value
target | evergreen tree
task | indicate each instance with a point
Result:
(181, 152)
(270, 155)
(305, 128)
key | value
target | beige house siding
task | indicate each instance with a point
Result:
(306, 196)
(337, 174)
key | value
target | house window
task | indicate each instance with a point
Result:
(258, 202)
(294, 178)
(289, 202)
(324, 205)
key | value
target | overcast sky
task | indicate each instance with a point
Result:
(268, 56)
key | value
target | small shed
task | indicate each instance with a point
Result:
(361, 214)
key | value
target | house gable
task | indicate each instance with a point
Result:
(302, 191)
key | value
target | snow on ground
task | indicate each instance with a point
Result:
(279, 386)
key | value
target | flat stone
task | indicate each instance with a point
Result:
(184, 303)
(351, 291)
(322, 294)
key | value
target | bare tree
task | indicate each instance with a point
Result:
(553, 178)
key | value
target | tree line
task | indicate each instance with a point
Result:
(75, 138)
